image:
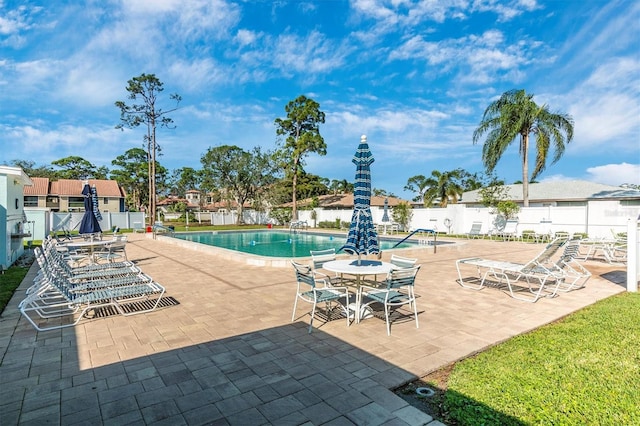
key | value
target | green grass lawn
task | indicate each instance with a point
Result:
(9, 281)
(584, 369)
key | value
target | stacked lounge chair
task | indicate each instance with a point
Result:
(60, 291)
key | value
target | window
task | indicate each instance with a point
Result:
(105, 201)
(76, 202)
(31, 201)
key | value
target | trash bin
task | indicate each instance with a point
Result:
(269, 226)
(171, 228)
(148, 229)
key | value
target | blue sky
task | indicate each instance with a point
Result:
(414, 76)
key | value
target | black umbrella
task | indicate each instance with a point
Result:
(89, 223)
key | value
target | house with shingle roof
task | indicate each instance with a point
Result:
(65, 195)
(344, 201)
(561, 193)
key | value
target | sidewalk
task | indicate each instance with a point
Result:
(223, 349)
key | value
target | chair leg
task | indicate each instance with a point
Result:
(415, 306)
(386, 316)
(295, 304)
(313, 314)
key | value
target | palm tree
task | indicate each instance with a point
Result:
(444, 186)
(516, 114)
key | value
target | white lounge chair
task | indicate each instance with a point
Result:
(540, 270)
(509, 232)
(475, 231)
(575, 275)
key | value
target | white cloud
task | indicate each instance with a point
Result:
(615, 174)
(605, 106)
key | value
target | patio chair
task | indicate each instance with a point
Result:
(543, 232)
(138, 227)
(540, 269)
(318, 290)
(402, 262)
(575, 275)
(475, 231)
(113, 251)
(319, 258)
(509, 232)
(397, 290)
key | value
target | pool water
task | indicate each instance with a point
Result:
(276, 244)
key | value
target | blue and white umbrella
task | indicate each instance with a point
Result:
(362, 237)
(89, 223)
(385, 214)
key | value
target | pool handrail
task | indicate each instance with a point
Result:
(164, 229)
(429, 231)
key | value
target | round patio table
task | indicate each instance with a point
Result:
(359, 269)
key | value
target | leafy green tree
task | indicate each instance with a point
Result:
(419, 185)
(345, 187)
(471, 182)
(309, 185)
(301, 130)
(516, 114)
(132, 173)
(241, 175)
(31, 170)
(143, 92)
(402, 214)
(183, 180)
(74, 167)
(493, 193)
(441, 185)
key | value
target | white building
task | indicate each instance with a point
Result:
(12, 216)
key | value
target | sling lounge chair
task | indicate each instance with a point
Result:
(540, 270)
(475, 231)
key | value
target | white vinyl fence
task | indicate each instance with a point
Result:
(633, 254)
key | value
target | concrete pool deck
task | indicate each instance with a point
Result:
(223, 349)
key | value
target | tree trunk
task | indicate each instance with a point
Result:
(294, 184)
(525, 169)
(152, 195)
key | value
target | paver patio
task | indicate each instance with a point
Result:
(224, 351)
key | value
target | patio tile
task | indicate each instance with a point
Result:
(205, 350)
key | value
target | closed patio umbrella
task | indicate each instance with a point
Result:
(89, 223)
(385, 214)
(362, 237)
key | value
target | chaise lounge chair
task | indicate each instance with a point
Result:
(475, 231)
(541, 270)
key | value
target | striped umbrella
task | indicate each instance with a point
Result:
(385, 214)
(362, 237)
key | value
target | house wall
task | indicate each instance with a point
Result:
(112, 205)
(11, 226)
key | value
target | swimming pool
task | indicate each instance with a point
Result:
(275, 243)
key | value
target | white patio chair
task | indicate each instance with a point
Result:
(319, 258)
(402, 262)
(318, 290)
(510, 231)
(397, 290)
